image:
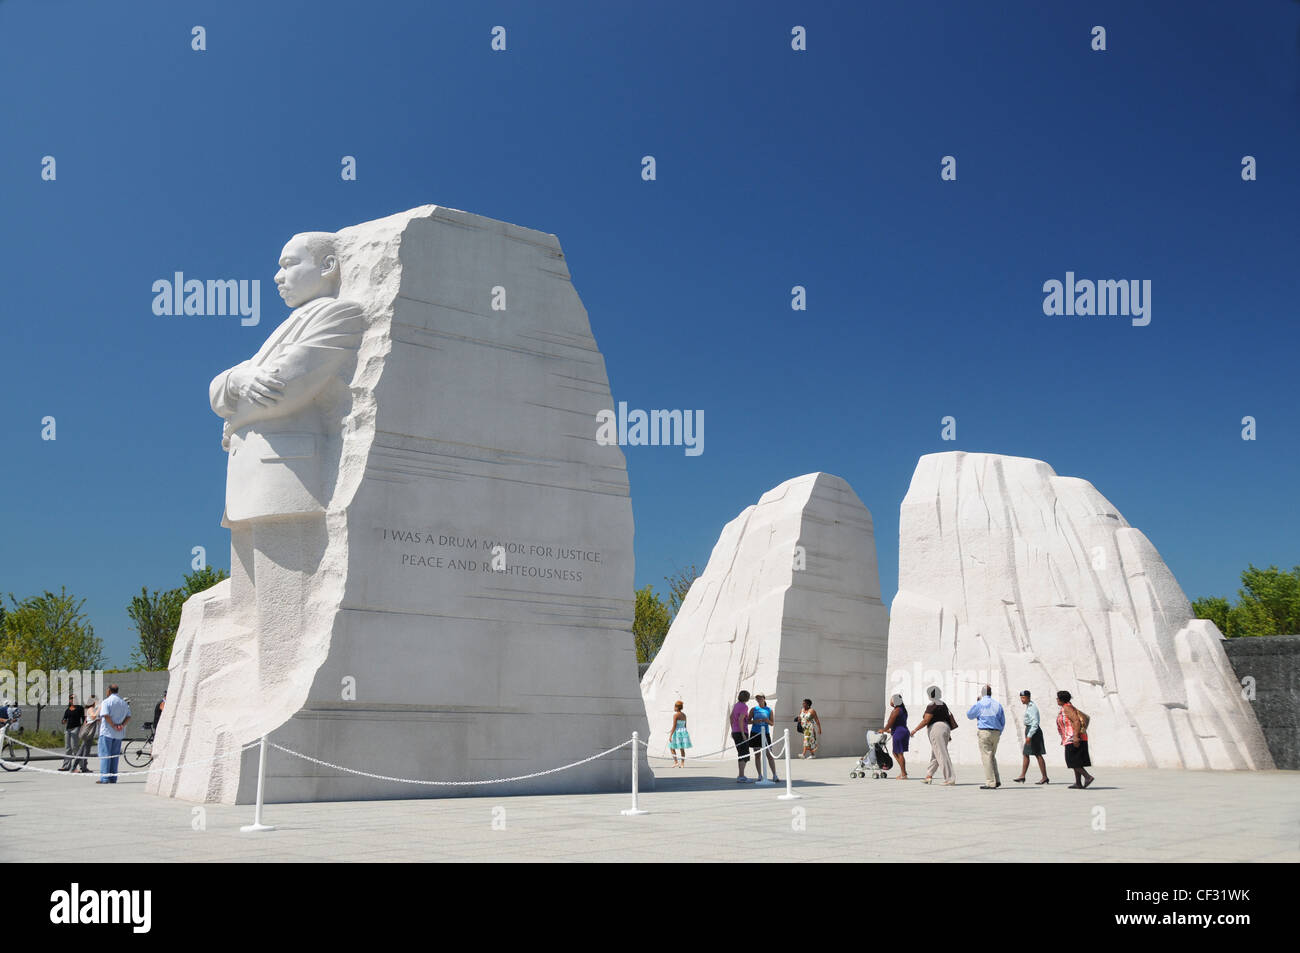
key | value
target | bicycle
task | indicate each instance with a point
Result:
(138, 752)
(13, 757)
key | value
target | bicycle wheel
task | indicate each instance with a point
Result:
(138, 752)
(14, 757)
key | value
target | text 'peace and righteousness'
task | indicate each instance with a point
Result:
(450, 552)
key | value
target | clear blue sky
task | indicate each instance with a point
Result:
(775, 168)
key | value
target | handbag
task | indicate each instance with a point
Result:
(1084, 720)
(952, 719)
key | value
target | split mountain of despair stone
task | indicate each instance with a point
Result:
(1012, 575)
(788, 605)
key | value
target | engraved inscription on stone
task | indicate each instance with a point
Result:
(486, 553)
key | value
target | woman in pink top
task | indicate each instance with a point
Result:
(739, 724)
(1073, 726)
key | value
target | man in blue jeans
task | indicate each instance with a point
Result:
(114, 713)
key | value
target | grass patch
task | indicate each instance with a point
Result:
(50, 740)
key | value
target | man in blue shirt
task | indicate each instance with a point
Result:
(990, 721)
(114, 713)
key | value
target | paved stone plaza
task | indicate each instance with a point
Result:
(697, 814)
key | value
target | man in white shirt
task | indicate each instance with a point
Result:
(114, 713)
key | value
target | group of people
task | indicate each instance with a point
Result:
(939, 722)
(83, 725)
(80, 731)
(751, 730)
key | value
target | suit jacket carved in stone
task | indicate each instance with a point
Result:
(277, 451)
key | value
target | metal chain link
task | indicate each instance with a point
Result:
(120, 774)
(710, 754)
(384, 777)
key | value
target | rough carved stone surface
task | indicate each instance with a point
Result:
(460, 608)
(754, 621)
(1012, 574)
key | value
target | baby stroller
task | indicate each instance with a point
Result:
(876, 760)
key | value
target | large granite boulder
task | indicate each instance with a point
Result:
(440, 583)
(1012, 575)
(789, 605)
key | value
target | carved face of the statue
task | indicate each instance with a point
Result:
(305, 276)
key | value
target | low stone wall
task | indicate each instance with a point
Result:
(141, 689)
(1273, 661)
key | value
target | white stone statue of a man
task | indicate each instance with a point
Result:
(283, 411)
(280, 405)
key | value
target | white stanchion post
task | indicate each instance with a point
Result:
(789, 794)
(257, 824)
(636, 761)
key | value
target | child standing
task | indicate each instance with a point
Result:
(678, 738)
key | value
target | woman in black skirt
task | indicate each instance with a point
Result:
(1034, 747)
(1073, 726)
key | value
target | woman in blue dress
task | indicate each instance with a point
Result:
(896, 728)
(678, 739)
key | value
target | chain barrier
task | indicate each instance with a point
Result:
(714, 754)
(119, 774)
(385, 777)
(769, 747)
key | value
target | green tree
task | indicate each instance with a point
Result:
(1215, 608)
(1268, 603)
(157, 616)
(679, 584)
(49, 632)
(651, 623)
(202, 579)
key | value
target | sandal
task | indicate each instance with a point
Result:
(1044, 781)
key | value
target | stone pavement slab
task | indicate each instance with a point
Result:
(696, 814)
